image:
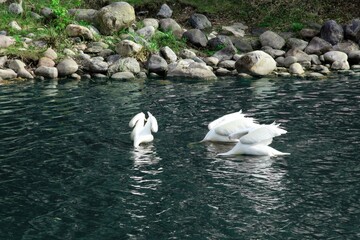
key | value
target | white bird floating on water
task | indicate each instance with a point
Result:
(221, 128)
(142, 131)
(251, 138)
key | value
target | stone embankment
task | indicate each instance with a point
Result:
(236, 51)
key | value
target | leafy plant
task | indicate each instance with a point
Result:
(296, 26)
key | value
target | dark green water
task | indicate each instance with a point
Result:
(68, 169)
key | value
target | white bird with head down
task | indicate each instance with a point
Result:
(256, 141)
(222, 128)
(142, 131)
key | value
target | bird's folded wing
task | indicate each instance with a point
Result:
(263, 135)
(225, 118)
(136, 118)
(154, 123)
(234, 126)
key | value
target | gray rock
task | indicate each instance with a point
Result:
(296, 69)
(226, 53)
(74, 30)
(317, 46)
(169, 24)
(96, 65)
(112, 59)
(332, 32)
(354, 57)
(256, 63)
(128, 48)
(199, 21)
(211, 61)
(219, 42)
(168, 54)
(187, 54)
(6, 41)
(127, 64)
(14, 25)
(146, 32)
(47, 13)
(151, 22)
(50, 53)
(47, 72)
(300, 55)
(309, 33)
(242, 44)
(237, 30)
(333, 56)
(3, 61)
(315, 59)
(352, 31)
(123, 76)
(289, 60)
(296, 43)
(7, 74)
(272, 39)
(16, 8)
(346, 47)
(165, 11)
(67, 67)
(228, 64)
(23, 73)
(157, 64)
(188, 68)
(115, 17)
(340, 65)
(222, 72)
(274, 53)
(316, 75)
(196, 37)
(35, 16)
(16, 65)
(46, 62)
(87, 15)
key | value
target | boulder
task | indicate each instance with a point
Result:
(47, 72)
(67, 67)
(332, 32)
(308, 33)
(272, 39)
(14, 25)
(296, 69)
(226, 53)
(168, 54)
(256, 63)
(354, 57)
(188, 68)
(317, 46)
(87, 15)
(50, 53)
(346, 47)
(169, 24)
(7, 74)
(300, 55)
(340, 65)
(242, 44)
(114, 17)
(46, 62)
(296, 43)
(157, 64)
(74, 30)
(127, 64)
(16, 65)
(97, 65)
(227, 64)
(165, 11)
(196, 37)
(151, 22)
(199, 21)
(23, 73)
(352, 31)
(128, 48)
(219, 42)
(333, 56)
(123, 76)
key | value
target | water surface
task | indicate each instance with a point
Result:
(68, 169)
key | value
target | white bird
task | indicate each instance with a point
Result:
(222, 128)
(256, 141)
(142, 131)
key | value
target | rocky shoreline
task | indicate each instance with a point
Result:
(315, 51)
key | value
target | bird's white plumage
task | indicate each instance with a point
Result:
(142, 131)
(223, 127)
